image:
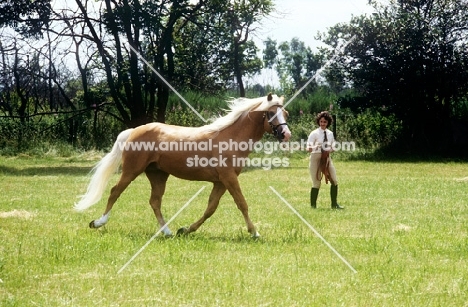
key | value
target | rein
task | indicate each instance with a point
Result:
(323, 167)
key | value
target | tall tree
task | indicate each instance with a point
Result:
(295, 63)
(217, 44)
(242, 16)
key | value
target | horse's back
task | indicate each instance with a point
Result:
(160, 132)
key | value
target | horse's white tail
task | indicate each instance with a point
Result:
(102, 173)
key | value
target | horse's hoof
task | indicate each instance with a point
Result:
(92, 225)
(166, 232)
(182, 231)
(168, 235)
(256, 236)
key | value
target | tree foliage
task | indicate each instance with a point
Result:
(410, 59)
(28, 17)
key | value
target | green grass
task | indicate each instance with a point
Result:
(404, 230)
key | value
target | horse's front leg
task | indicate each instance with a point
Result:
(213, 202)
(232, 184)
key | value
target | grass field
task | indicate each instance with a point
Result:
(404, 231)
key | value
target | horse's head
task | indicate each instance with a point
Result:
(276, 116)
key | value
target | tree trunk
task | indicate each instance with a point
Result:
(237, 69)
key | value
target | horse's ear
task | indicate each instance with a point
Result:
(270, 97)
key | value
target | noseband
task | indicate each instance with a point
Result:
(274, 128)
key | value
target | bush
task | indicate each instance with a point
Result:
(369, 129)
(61, 134)
(82, 131)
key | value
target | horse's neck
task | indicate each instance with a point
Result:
(249, 126)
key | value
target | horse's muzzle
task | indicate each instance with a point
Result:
(284, 134)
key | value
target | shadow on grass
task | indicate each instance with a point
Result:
(399, 157)
(45, 170)
(145, 234)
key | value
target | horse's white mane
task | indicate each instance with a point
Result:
(238, 106)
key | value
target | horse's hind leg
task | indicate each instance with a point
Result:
(125, 179)
(158, 181)
(213, 202)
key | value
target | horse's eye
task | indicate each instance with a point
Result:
(271, 114)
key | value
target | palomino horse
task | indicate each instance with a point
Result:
(207, 153)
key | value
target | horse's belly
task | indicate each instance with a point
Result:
(189, 167)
